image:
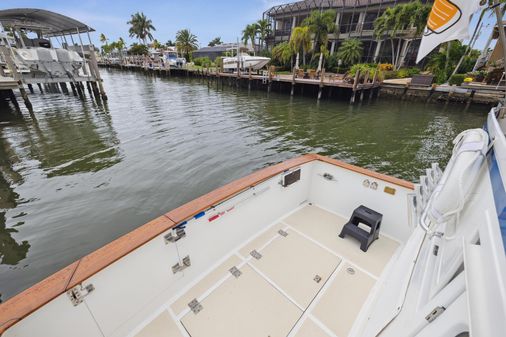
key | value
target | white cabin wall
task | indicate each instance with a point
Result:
(346, 192)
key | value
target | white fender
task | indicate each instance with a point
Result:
(460, 175)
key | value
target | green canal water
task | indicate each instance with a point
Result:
(76, 175)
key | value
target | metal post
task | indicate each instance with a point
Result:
(95, 70)
(66, 43)
(502, 35)
(82, 50)
(469, 47)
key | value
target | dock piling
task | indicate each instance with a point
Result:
(14, 101)
(64, 88)
(355, 84)
(73, 87)
(28, 104)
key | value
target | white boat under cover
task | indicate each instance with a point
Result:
(262, 257)
(245, 61)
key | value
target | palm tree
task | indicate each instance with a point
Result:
(186, 43)
(300, 40)
(156, 44)
(141, 27)
(249, 34)
(350, 51)
(120, 45)
(282, 52)
(321, 24)
(397, 19)
(103, 39)
(214, 42)
(263, 28)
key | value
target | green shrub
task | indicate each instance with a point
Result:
(457, 79)
(138, 49)
(494, 76)
(364, 68)
(202, 61)
(407, 72)
(478, 76)
(332, 63)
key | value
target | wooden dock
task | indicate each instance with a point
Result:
(8, 83)
(325, 85)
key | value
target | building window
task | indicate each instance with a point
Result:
(349, 22)
(369, 21)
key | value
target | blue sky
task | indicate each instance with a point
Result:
(206, 19)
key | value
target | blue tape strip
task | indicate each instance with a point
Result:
(200, 215)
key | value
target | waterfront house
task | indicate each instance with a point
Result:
(354, 19)
(219, 50)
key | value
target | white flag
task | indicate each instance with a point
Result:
(448, 20)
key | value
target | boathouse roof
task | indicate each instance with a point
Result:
(41, 20)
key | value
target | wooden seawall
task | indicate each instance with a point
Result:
(328, 85)
(324, 86)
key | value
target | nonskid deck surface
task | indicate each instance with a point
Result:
(302, 281)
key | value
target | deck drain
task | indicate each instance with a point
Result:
(350, 271)
(317, 278)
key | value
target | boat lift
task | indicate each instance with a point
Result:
(46, 48)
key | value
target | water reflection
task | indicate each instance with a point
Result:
(65, 143)
(11, 251)
(64, 137)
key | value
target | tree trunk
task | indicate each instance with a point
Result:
(402, 56)
(397, 57)
(304, 57)
(447, 62)
(320, 62)
(393, 51)
(297, 61)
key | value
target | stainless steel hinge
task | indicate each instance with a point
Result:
(435, 314)
(255, 254)
(79, 292)
(235, 271)
(183, 265)
(175, 235)
(282, 233)
(195, 306)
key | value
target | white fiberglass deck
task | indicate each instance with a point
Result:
(305, 281)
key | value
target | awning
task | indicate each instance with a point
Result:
(47, 22)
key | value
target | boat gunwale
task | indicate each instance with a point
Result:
(26, 302)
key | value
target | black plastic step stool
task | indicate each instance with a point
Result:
(369, 218)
